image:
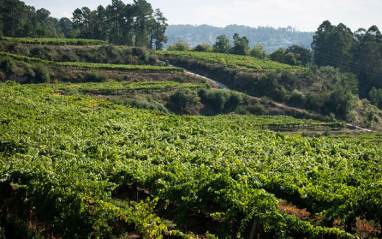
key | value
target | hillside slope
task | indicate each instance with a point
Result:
(115, 171)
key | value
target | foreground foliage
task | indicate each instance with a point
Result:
(64, 158)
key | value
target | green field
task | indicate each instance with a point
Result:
(246, 63)
(68, 163)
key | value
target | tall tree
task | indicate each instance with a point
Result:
(258, 52)
(115, 16)
(221, 45)
(143, 22)
(13, 17)
(42, 16)
(31, 26)
(332, 45)
(278, 55)
(87, 23)
(300, 55)
(100, 23)
(77, 19)
(66, 25)
(368, 59)
(240, 45)
(159, 30)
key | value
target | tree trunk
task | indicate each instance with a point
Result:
(257, 231)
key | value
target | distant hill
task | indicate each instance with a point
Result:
(270, 38)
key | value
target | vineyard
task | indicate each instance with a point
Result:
(97, 66)
(116, 88)
(245, 63)
(56, 41)
(75, 166)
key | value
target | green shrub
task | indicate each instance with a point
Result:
(41, 74)
(179, 46)
(297, 98)
(222, 101)
(183, 98)
(95, 77)
(8, 66)
(142, 54)
(203, 48)
(178, 79)
(233, 102)
(141, 103)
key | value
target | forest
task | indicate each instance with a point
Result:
(134, 24)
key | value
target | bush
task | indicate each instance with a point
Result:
(183, 98)
(8, 66)
(178, 79)
(297, 98)
(222, 101)
(203, 48)
(233, 102)
(39, 74)
(141, 103)
(95, 77)
(142, 53)
(179, 46)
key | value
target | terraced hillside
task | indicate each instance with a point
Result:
(112, 170)
(78, 159)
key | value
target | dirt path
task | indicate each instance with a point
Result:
(221, 85)
(355, 127)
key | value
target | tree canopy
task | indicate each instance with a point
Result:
(240, 45)
(135, 24)
(222, 44)
(359, 52)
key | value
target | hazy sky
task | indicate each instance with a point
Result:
(305, 15)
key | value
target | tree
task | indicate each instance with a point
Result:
(88, 21)
(66, 25)
(301, 55)
(332, 46)
(368, 59)
(319, 44)
(278, 55)
(159, 30)
(342, 91)
(77, 19)
(240, 45)
(1, 20)
(42, 16)
(100, 18)
(13, 17)
(143, 17)
(258, 52)
(115, 18)
(376, 97)
(32, 26)
(221, 45)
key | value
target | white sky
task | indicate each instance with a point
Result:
(304, 15)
